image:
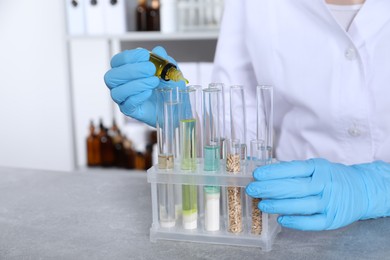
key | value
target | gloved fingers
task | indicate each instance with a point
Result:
(293, 169)
(313, 222)
(160, 51)
(133, 88)
(128, 72)
(303, 206)
(130, 56)
(283, 188)
(131, 105)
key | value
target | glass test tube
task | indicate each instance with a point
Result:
(262, 147)
(222, 103)
(188, 126)
(211, 146)
(258, 158)
(238, 117)
(234, 199)
(211, 129)
(166, 125)
(199, 123)
(265, 117)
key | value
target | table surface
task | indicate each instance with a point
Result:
(106, 214)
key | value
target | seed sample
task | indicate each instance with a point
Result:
(165, 161)
(256, 226)
(235, 210)
(233, 163)
(233, 166)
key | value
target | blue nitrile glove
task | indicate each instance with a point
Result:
(131, 81)
(319, 195)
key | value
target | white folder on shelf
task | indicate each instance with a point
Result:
(94, 17)
(75, 17)
(114, 16)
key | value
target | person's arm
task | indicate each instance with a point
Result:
(319, 195)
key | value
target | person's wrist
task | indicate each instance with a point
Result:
(376, 178)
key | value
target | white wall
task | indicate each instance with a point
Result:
(89, 60)
(35, 107)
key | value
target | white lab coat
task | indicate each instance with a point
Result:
(332, 87)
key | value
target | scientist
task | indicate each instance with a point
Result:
(328, 61)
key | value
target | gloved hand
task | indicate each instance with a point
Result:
(319, 195)
(131, 81)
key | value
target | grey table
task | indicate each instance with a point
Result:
(106, 214)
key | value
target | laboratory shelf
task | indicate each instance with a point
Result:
(153, 36)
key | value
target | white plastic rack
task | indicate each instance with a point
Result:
(269, 226)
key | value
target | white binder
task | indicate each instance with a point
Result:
(168, 15)
(75, 17)
(114, 16)
(94, 17)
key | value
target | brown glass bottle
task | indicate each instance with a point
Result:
(129, 153)
(148, 156)
(93, 147)
(141, 14)
(106, 147)
(139, 162)
(154, 16)
(117, 141)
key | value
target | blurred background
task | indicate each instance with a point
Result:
(56, 112)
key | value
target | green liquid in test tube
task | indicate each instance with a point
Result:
(211, 158)
(188, 133)
(190, 206)
(188, 154)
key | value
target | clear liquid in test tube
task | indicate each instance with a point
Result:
(211, 147)
(188, 153)
(166, 125)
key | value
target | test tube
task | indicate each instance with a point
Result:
(188, 128)
(265, 111)
(188, 135)
(165, 129)
(211, 129)
(258, 158)
(238, 117)
(262, 147)
(199, 123)
(166, 125)
(234, 199)
(222, 104)
(211, 142)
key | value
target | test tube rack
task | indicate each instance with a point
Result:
(177, 177)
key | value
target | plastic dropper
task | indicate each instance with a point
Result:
(165, 69)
